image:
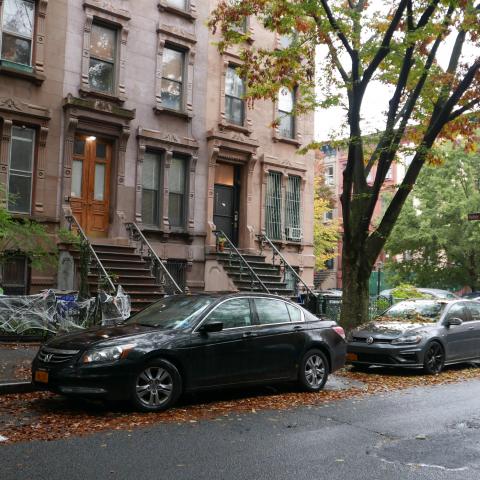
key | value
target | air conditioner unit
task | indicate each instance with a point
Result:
(293, 233)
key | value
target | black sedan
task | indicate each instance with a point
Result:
(193, 342)
(426, 334)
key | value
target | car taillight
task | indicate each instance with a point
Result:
(340, 331)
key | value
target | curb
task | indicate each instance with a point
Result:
(7, 388)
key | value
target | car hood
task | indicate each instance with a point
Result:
(100, 335)
(392, 329)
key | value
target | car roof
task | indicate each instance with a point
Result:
(236, 295)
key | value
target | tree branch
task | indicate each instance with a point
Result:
(465, 108)
(334, 24)
(384, 48)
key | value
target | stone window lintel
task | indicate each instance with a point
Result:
(189, 14)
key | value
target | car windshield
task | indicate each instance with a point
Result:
(173, 313)
(421, 311)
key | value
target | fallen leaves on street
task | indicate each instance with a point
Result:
(45, 416)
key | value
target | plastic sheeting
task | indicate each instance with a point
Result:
(114, 309)
(49, 312)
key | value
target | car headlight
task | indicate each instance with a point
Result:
(408, 340)
(109, 354)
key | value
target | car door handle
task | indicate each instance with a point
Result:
(298, 327)
(249, 335)
(471, 328)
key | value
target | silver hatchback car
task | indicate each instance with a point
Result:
(426, 334)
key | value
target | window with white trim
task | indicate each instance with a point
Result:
(234, 93)
(20, 171)
(180, 4)
(17, 28)
(329, 175)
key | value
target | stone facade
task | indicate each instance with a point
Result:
(132, 115)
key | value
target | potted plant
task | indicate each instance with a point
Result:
(221, 243)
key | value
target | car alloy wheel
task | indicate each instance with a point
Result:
(157, 386)
(434, 358)
(314, 370)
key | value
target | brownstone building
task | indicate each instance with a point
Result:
(118, 112)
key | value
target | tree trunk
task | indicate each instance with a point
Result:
(355, 280)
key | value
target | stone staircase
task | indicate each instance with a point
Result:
(269, 274)
(130, 270)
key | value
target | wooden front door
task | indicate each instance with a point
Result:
(90, 194)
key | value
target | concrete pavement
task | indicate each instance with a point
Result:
(430, 433)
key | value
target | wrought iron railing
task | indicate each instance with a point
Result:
(157, 266)
(289, 274)
(225, 245)
(104, 278)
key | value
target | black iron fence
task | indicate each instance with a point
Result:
(331, 306)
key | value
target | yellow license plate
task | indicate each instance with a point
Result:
(352, 357)
(41, 376)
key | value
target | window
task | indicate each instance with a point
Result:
(18, 23)
(273, 206)
(172, 79)
(271, 311)
(176, 195)
(293, 229)
(328, 216)
(295, 313)
(474, 311)
(150, 189)
(329, 264)
(234, 92)
(103, 46)
(232, 313)
(286, 102)
(178, 270)
(180, 4)
(20, 175)
(15, 275)
(457, 310)
(329, 178)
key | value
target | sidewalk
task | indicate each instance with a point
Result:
(15, 361)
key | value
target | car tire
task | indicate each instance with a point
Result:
(433, 358)
(314, 370)
(156, 386)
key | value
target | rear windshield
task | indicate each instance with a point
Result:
(420, 310)
(176, 312)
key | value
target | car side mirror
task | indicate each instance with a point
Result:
(454, 321)
(211, 327)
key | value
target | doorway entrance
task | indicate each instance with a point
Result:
(227, 200)
(90, 192)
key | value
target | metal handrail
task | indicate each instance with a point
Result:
(263, 238)
(72, 220)
(253, 275)
(135, 232)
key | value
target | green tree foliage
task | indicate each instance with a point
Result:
(325, 234)
(440, 247)
(364, 43)
(28, 237)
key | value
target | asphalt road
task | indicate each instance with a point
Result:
(423, 433)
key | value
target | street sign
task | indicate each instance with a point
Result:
(474, 216)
